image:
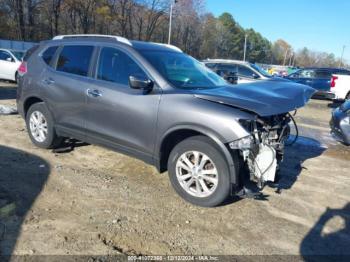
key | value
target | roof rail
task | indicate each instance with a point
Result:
(118, 38)
(169, 46)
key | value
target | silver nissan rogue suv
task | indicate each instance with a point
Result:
(156, 103)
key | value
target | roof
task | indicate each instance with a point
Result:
(326, 68)
(225, 61)
(138, 45)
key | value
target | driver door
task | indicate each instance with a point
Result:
(118, 116)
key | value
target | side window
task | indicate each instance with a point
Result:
(307, 73)
(4, 56)
(75, 59)
(295, 75)
(49, 53)
(226, 70)
(210, 65)
(116, 66)
(341, 72)
(323, 74)
(245, 71)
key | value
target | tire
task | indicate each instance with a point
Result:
(219, 185)
(48, 141)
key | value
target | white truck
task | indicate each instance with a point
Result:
(340, 86)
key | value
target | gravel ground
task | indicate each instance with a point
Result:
(92, 201)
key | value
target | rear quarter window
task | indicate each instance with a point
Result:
(75, 59)
(342, 72)
(48, 54)
(323, 74)
(29, 52)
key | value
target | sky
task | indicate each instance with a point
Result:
(321, 25)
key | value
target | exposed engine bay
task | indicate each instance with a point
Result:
(263, 150)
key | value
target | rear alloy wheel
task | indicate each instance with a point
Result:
(41, 127)
(38, 126)
(198, 171)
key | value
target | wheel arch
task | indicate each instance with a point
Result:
(177, 134)
(29, 102)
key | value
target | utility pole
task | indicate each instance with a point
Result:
(245, 47)
(342, 55)
(285, 57)
(171, 19)
(290, 59)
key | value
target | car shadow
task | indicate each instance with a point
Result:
(295, 155)
(335, 104)
(7, 91)
(22, 178)
(320, 245)
(68, 146)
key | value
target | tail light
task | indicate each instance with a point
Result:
(22, 68)
(334, 78)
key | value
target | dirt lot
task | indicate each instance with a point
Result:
(94, 201)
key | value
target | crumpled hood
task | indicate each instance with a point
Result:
(264, 98)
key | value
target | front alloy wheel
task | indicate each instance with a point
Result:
(199, 172)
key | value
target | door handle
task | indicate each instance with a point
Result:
(49, 81)
(93, 93)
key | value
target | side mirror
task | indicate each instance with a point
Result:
(140, 83)
(9, 59)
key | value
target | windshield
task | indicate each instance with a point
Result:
(18, 54)
(183, 71)
(260, 70)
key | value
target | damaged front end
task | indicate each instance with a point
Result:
(262, 151)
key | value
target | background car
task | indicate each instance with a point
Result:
(317, 78)
(10, 60)
(340, 87)
(340, 123)
(245, 72)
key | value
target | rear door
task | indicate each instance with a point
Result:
(322, 80)
(65, 82)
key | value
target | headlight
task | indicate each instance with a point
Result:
(243, 143)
